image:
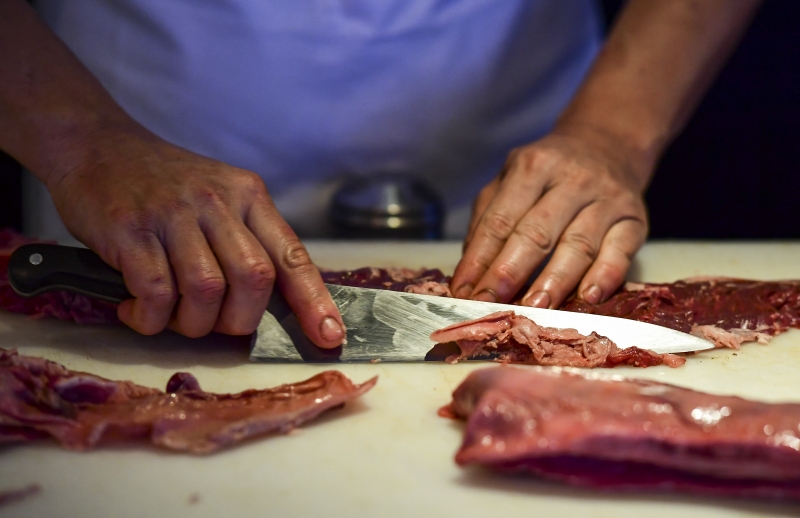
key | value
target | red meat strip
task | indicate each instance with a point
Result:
(618, 434)
(518, 339)
(40, 398)
(725, 311)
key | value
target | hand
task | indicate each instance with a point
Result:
(574, 196)
(199, 243)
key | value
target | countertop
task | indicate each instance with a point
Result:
(385, 455)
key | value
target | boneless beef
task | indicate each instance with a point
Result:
(513, 338)
(40, 399)
(622, 434)
(725, 311)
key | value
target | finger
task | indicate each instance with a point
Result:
(576, 251)
(248, 271)
(201, 283)
(297, 277)
(617, 250)
(479, 207)
(145, 268)
(513, 200)
(531, 241)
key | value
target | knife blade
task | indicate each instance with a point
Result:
(381, 325)
(395, 327)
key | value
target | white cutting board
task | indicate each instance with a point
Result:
(388, 455)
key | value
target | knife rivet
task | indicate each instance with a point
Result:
(35, 259)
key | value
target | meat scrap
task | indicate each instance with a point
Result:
(40, 399)
(723, 310)
(513, 338)
(619, 434)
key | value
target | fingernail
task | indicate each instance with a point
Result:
(331, 330)
(540, 299)
(464, 291)
(593, 294)
(486, 296)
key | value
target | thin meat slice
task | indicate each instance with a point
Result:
(513, 338)
(623, 434)
(40, 398)
(724, 310)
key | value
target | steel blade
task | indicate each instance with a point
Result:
(396, 327)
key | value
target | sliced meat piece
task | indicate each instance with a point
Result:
(622, 434)
(514, 338)
(41, 398)
(724, 310)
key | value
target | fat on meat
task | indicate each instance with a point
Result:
(517, 339)
(611, 433)
(40, 398)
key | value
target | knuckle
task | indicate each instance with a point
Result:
(295, 256)
(258, 274)
(498, 226)
(133, 220)
(207, 289)
(535, 235)
(252, 185)
(582, 244)
(159, 293)
(527, 158)
(507, 275)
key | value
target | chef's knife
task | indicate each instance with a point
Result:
(381, 325)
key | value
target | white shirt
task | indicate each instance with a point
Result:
(305, 91)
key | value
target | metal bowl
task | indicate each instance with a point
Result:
(387, 206)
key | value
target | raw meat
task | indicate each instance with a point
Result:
(723, 310)
(425, 280)
(517, 339)
(40, 398)
(613, 433)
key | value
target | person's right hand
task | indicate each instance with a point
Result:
(199, 243)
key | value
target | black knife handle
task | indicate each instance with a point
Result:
(39, 267)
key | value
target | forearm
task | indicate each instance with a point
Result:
(658, 61)
(50, 104)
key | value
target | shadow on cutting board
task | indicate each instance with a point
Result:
(123, 346)
(475, 477)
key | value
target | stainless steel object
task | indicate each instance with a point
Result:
(387, 206)
(395, 327)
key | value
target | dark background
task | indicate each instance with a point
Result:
(735, 170)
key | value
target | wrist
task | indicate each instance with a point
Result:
(80, 143)
(634, 153)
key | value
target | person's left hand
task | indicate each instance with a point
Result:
(570, 194)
